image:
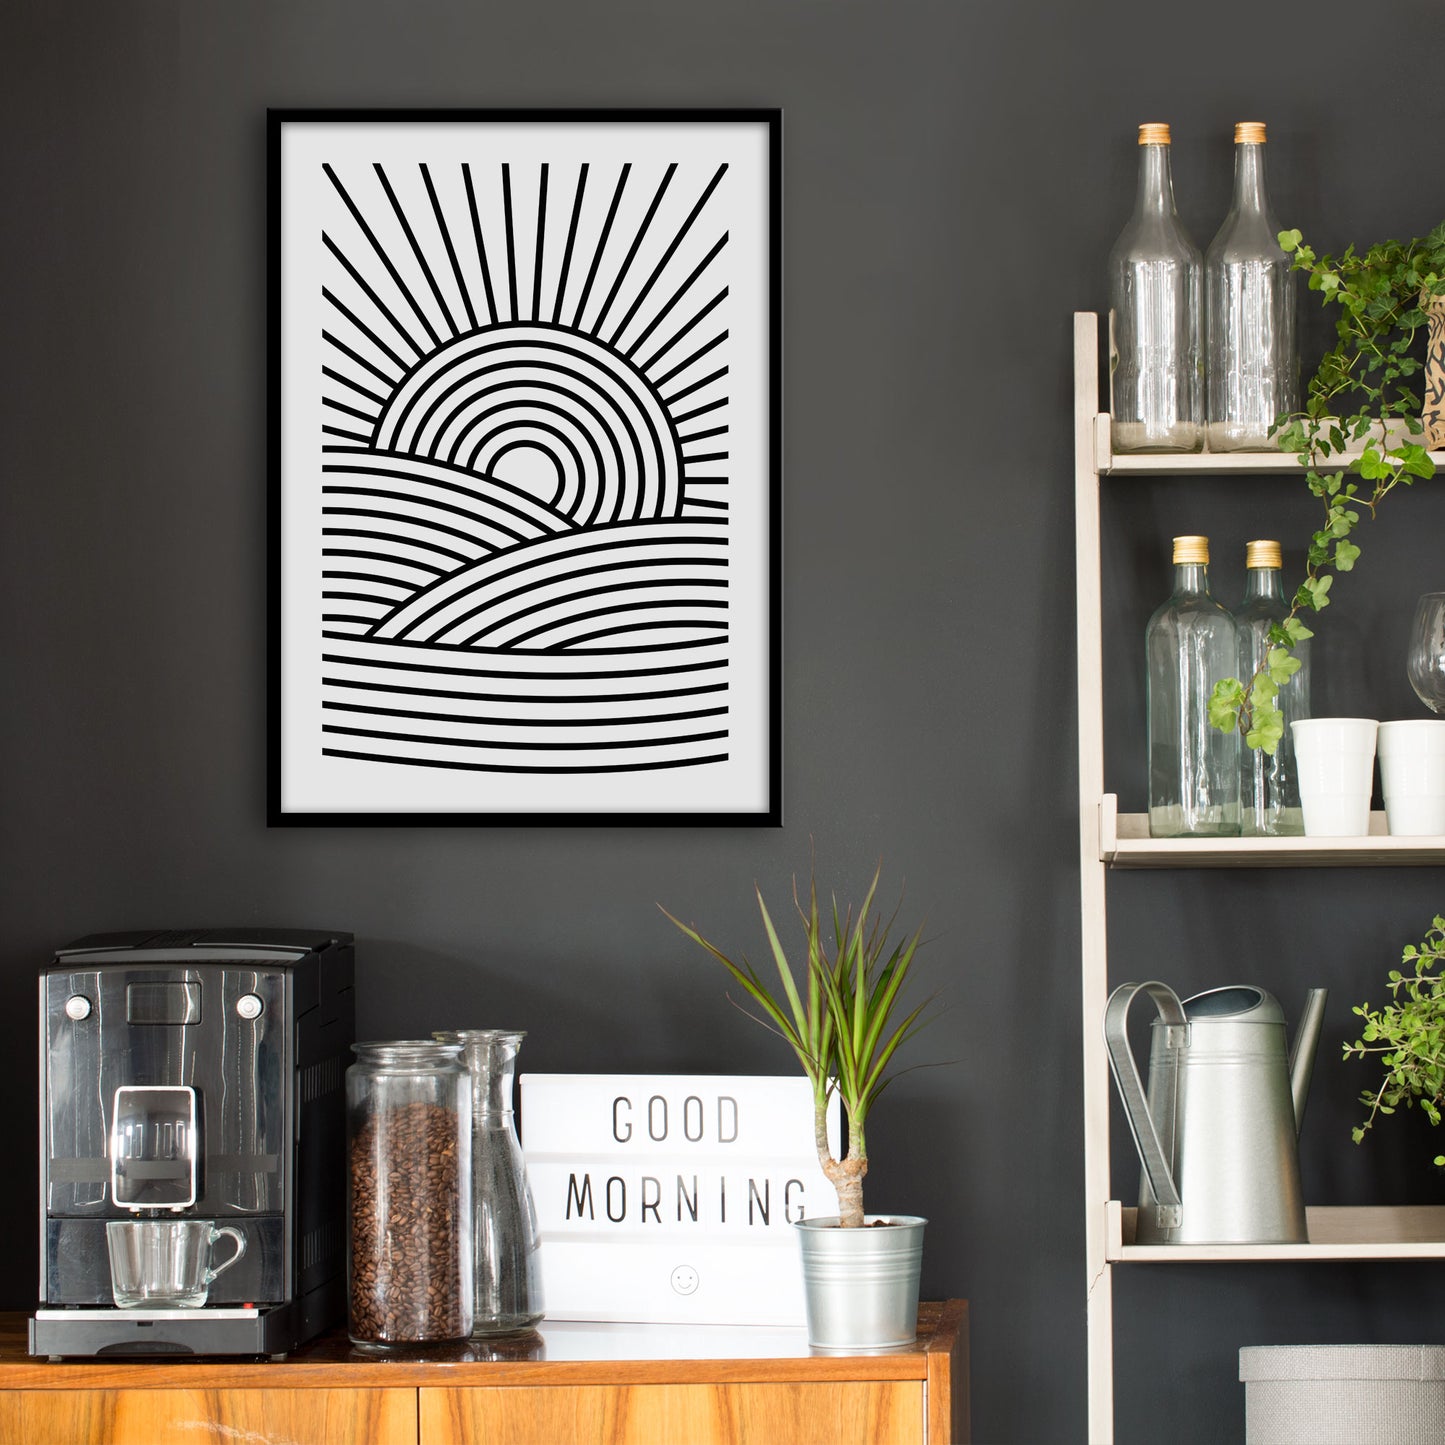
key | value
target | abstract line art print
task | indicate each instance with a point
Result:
(524, 467)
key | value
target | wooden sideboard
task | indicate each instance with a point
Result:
(568, 1384)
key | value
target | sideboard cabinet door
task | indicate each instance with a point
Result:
(772, 1413)
(185, 1417)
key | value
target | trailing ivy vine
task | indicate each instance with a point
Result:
(1381, 295)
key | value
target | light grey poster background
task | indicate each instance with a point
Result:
(954, 176)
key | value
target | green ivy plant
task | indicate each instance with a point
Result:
(840, 1011)
(1361, 399)
(1408, 1035)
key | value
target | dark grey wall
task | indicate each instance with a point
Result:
(955, 175)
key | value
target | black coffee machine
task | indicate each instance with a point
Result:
(195, 1075)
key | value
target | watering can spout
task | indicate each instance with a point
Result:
(1302, 1053)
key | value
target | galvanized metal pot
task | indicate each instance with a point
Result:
(862, 1284)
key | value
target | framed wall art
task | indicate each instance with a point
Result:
(525, 455)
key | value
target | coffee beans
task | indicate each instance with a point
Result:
(409, 1260)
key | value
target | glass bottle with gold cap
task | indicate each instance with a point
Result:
(1269, 802)
(1190, 645)
(1252, 363)
(1156, 283)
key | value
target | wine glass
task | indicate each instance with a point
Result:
(1426, 666)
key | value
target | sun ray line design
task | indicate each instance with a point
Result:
(416, 249)
(384, 258)
(335, 431)
(632, 250)
(698, 436)
(677, 296)
(668, 401)
(372, 417)
(481, 244)
(571, 241)
(511, 240)
(681, 332)
(710, 457)
(356, 386)
(361, 326)
(668, 254)
(699, 353)
(698, 411)
(447, 242)
(359, 359)
(601, 244)
(375, 300)
(541, 235)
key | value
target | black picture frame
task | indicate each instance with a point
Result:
(525, 493)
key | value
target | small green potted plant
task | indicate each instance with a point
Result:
(841, 1011)
(1408, 1035)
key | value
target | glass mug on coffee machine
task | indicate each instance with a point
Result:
(166, 1263)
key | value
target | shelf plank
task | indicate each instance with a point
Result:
(1210, 464)
(1335, 1233)
(1124, 842)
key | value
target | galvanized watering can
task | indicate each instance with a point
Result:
(1218, 1132)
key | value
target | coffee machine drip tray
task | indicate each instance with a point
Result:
(212, 1330)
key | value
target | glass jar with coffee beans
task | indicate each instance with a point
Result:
(408, 1137)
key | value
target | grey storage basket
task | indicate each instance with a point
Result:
(1343, 1394)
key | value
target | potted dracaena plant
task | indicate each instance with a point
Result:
(841, 1011)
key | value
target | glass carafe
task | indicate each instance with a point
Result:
(1270, 801)
(1252, 369)
(1156, 373)
(507, 1293)
(1193, 767)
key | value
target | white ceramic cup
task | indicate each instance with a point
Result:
(1412, 776)
(1336, 761)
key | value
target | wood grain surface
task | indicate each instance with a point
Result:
(873, 1412)
(340, 1416)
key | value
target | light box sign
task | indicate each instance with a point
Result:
(668, 1199)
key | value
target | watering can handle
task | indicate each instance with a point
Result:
(1131, 1090)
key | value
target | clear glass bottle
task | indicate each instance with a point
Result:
(1156, 282)
(409, 1192)
(1193, 767)
(1269, 802)
(1252, 360)
(507, 1289)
